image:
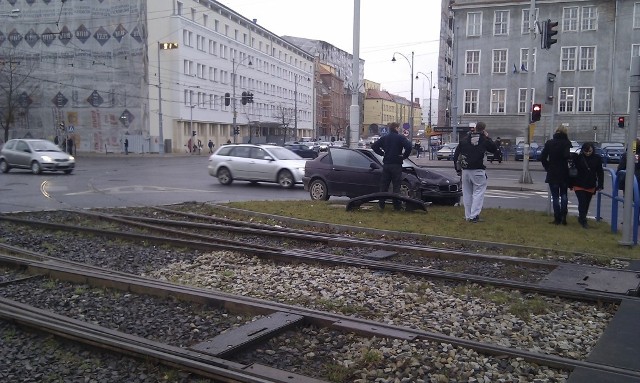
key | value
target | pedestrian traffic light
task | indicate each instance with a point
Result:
(244, 98)
(227, 99)
(620, 122)
(548, 31)
(536, 112)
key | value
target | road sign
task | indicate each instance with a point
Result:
(70, 128)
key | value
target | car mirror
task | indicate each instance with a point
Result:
(374, 166)
(268, 158)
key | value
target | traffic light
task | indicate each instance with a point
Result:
(227, 99)
(548, 31)
(250, 97)
(244, 98)
(193, 133)
(620, 122)
(536, 112)
(236, 131)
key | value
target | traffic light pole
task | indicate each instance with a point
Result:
(632, 130)
(526, 176)
(233, 100)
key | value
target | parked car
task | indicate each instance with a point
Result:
(37, 155)
(576, 147)
(302, 150)
(533, 151)
(355, 172)
(256, 163)
(610, 151)
(446, 151)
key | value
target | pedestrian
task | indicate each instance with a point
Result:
(555, 158)
(418, 148)
(394, 149)
(70, 145)
(228, 141)
(497, 156)
(126, 146)
(623, 166)
(468, 160)
(589, 180)
(211, 146)
(189, 146)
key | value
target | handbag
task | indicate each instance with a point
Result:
(573, 171)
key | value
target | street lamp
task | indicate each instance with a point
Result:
(295, 103)
(411, 101)
(162, 46)
(233, 84)
(430, 78)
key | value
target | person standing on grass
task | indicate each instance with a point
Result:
(589, 180)
(468, 160)
(394, 149)
(555, 157)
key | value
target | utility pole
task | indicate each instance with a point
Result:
(526, 176)
(354, 109)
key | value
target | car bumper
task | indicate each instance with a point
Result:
(57, 166)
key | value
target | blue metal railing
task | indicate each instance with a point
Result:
(616, 199)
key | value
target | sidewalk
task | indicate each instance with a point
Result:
(497, 183)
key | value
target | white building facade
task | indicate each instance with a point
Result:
(94, 72)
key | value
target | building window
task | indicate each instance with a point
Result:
(566, 100)
(205, 20)
(635, 50)
(501, 23)
(499, 61)
(570, 19)
(498, 101)
(472, 62)
(216, 25)
(589, 18)
(522, 99)
(188, 67)
(474, 23)
(186, 38)
(568, 58)
(179, 8)
(587, 58)
(212, 47)
(524, 53)
(636, 15)
(471, 101)
(525, 20)
(585, 100)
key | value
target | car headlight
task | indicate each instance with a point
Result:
(46, 159)
(72, 158)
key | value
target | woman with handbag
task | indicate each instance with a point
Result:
(554, 157)
(590, 179)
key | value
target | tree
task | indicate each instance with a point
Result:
(285, 115)
(16, 89)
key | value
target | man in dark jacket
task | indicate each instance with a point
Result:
(468, 160)
(394, 148)
(554, 157)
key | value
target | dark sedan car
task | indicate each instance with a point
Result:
(355, 172)
(302, 150)
(610, 151)
(533, 152)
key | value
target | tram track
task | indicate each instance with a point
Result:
(188, 235)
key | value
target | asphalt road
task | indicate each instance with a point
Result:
(146, 180)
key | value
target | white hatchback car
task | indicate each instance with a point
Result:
(257, 163)
(37, 155)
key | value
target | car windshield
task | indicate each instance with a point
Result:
(283, 154)
(44, 146)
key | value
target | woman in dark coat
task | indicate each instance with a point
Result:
(589, 180)
(554, 157)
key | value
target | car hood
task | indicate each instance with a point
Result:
(53, 155)
(427, 174)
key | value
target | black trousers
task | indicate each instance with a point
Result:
(391, 174)
(584, 199)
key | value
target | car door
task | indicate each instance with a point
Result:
(21, 155)
(352, 174)
(240, 161)
(262, 169)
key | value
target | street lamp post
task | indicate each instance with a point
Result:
(410, 101)
(233, 84)
(430, 78)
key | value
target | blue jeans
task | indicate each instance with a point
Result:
(559, 199)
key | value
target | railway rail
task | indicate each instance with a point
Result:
(288, 246)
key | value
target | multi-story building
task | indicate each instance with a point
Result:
(334, 70)
(381, 107)
(581, 81)
(154, 71)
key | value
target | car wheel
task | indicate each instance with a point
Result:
(285, 179)
(405, 190)
(36, 168)
(318, 190)
(4, 166)
(224, 176)
(68, 171)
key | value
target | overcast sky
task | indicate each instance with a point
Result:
(385, 27)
